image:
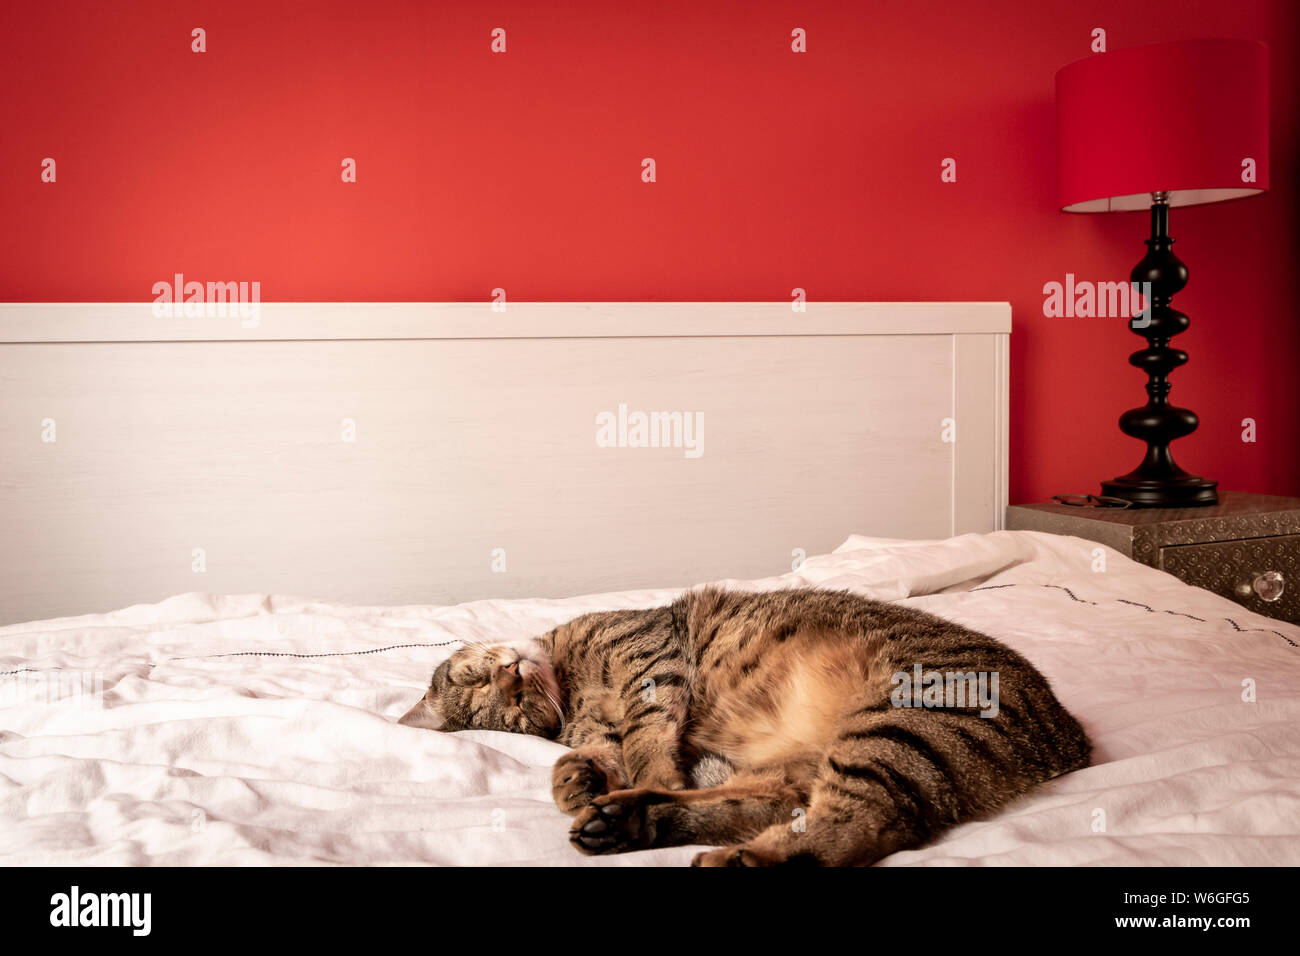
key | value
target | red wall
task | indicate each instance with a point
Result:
(775, 170)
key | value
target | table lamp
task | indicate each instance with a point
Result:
(1170, 124)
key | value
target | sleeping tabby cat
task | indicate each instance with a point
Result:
(770, 724)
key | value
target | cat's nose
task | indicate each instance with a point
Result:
(507, 676)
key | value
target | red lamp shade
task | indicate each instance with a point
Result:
(1189, 118)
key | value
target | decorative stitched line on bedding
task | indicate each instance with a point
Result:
(1073, 597)
(373, 650)
(204, 657)
(1179, 613)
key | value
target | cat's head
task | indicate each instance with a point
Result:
(491, 687)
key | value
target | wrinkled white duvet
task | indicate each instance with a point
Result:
(259, 730)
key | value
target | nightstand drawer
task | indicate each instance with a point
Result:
(1231, 567)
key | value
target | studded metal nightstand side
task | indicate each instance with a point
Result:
(1229, 548)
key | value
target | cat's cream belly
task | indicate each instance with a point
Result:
(789, 711)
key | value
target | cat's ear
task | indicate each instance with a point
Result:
(425, 713)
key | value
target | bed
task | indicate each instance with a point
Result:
(197, 473)
(258, 729)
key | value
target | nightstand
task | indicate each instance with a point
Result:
(1225, 548)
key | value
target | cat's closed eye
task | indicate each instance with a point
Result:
(469, 674)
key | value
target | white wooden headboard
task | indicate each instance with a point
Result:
(399, 453)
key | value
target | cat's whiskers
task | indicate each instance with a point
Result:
(559, 712)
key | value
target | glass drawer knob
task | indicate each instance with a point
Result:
(1269, 586)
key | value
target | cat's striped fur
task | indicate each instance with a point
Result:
(790, 695)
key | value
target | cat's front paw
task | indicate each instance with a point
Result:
(614, 823)
(576, 780)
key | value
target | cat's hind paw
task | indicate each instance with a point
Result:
(614, 823)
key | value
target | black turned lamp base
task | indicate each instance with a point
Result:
(1158, 482)
(1187, 492)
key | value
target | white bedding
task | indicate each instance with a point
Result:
(284, 750)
